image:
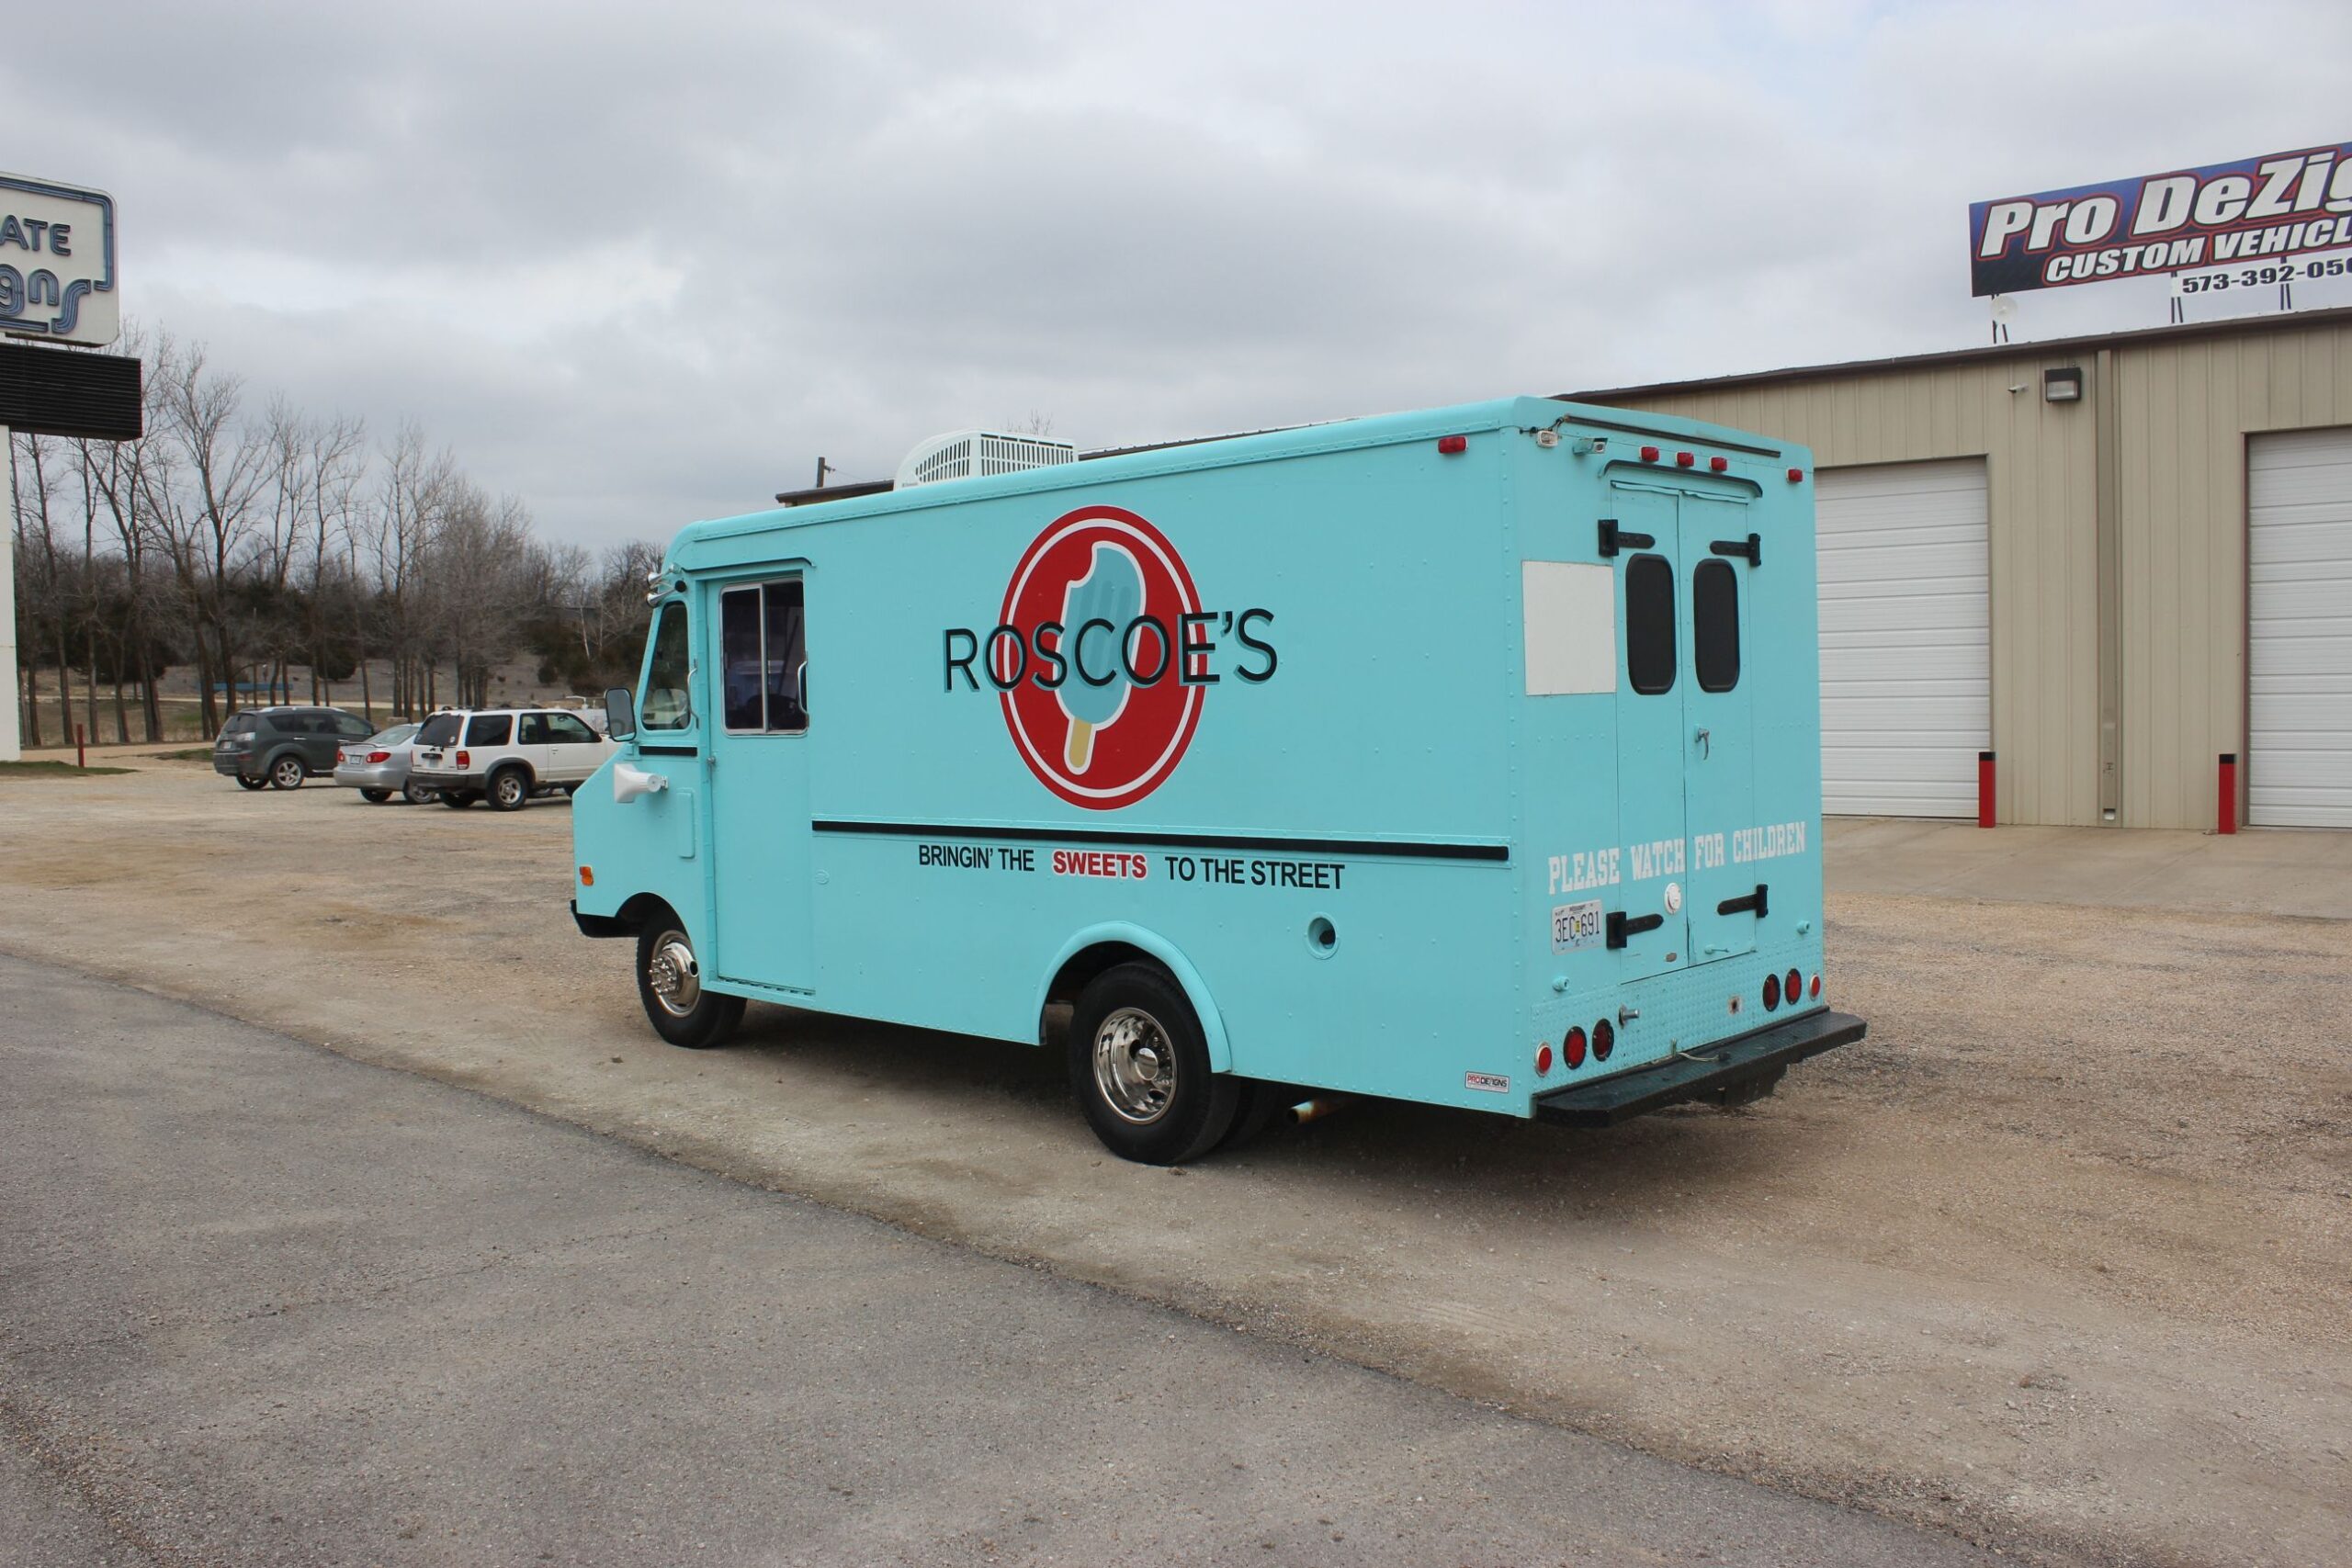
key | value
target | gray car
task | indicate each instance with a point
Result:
(378, 766)
(281, 747)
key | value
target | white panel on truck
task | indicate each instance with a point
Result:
(2299, 629)
(1907, 670)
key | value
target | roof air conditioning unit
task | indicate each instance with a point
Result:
(974, 454)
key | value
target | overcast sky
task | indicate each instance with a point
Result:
(643, 263)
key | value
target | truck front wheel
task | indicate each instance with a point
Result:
(669, 982)
(1139, 1066)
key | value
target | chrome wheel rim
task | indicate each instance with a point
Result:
(510, 790)
(1135, 1066)
(287, 774)
(674, 977)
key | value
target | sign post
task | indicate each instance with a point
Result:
(57, 286)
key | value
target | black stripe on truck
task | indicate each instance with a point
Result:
(1403, 848)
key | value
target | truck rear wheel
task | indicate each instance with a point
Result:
(669, 982)
(1139, 1066)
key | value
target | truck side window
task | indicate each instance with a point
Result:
(1649, 623)
(665, 703)
(787, 661)
(738, 657)
(1714, 625)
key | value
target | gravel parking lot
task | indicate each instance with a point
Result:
(2059, 1259)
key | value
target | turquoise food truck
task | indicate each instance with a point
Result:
(1469, 756)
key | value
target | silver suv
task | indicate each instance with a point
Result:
(504, 755)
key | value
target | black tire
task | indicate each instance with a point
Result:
(509, 789)
(376, 796)
(1261, 1103)
(1139, 1066)
(416, 795)
(288, 773)
(680, 1010)
(458, 799)
(244, 783)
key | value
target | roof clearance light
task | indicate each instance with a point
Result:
(1797, 476)
(1450, 444)
(1684, 460)
(1649, 454)
(1719, 465)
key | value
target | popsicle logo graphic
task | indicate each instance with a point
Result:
(1101, 657)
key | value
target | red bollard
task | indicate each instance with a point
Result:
(2225, 815)
(1984, 789)
(80, 760)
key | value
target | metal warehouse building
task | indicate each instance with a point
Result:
(2109, 560)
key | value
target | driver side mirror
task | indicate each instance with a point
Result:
(620, 713)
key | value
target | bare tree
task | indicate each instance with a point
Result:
(337, 464)
(209, 526)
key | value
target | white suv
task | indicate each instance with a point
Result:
(504, 755)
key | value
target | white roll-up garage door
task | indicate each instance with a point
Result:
(1906, 668)
(2299, 629)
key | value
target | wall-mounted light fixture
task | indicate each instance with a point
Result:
(2063, 386)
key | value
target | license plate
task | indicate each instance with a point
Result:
(1574, 925)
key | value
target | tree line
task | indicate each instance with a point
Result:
(245, 539)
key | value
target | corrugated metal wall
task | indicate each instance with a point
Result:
(2182, 412)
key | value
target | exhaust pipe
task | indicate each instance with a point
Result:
(1314, 1110)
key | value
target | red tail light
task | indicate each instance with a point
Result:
(1772, 992)
(379, 756)
(1572, 1048)
(1794, 986)
(1542, 1060)
(1450, 444)
(464, 761)
(1604, 1040)
(1797, 476)
(1817, 987)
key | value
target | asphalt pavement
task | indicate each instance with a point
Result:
(260, 1304)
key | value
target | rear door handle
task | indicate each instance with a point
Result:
(1620, 927)
(1756, 901)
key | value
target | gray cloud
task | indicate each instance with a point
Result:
(641, 265)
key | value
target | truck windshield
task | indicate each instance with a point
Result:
(665, 703)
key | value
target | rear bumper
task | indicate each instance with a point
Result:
(435, 778)
(229, 764)
(1706, 1074)
(371, 775)
(600, 925)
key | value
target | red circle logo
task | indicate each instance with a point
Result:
(1099, 597)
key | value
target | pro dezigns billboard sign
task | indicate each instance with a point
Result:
(2285, 204)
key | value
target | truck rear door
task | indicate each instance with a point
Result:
(1725, 898)
(1645, 922)
(1686, 776)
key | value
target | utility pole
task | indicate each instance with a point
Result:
(823, 467)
